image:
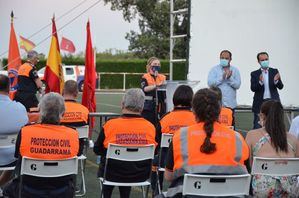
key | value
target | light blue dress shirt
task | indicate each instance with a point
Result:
(13, 116)
(228, 86)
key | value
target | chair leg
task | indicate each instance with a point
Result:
(158, 182)
(147, 190)
(101, 188)
(82, 190)
(143, 192)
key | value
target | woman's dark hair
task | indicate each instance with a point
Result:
(218, 91)
(206, 107)
(183, 96)
(274, 124)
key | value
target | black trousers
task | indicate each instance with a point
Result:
(28, 99)
(124, 191)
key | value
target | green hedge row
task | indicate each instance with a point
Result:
(130, 66)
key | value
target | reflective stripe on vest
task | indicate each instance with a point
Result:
(45, 141)
(151, 81)
(215, 169)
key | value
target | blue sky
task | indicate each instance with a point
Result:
(108, 27)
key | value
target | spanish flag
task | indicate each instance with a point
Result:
(14, 60)
(54, 73)
(26, 44)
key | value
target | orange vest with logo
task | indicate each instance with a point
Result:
(176, 119)
(129, 131)
(49, 142)
(74, 113)
(226, 116)
(231, 151)
(152, 81)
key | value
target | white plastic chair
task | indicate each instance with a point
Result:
(7, 141)
(47, 168)
(128, 154)
(216, 185)
(83, 132)
(275, 166)
(166, 138)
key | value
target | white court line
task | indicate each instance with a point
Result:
(108, 105)
(109, 93)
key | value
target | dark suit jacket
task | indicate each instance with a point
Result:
(258, 89)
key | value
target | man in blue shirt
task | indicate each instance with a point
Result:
(227, 78)
(13, 116)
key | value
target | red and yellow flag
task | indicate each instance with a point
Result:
(14, 60)
(26, 44)
(54, 73)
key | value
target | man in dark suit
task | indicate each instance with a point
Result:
(264, 84)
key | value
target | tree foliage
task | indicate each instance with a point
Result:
(153, 36)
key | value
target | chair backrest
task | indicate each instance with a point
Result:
(83, 131)
(216, 185)
(130, 153)
(275, 166)
(165, 140)
(8, 140)
(49, 168)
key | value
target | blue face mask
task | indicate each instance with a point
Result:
(156, 68)
(224, 62)
(264, 64)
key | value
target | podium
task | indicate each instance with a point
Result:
(170, 88)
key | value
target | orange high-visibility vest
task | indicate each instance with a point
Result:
(74, 113)
(152, 81)
(226, 116)
(49, 142)
(231, 151)
(24, 70)
(176, 119)
(129, 131)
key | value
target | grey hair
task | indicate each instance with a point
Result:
(51, 108)
(32, 54)
(133, 100)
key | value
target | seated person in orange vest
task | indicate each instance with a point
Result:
(46, 141)
(180, 116)
(226, 116)
(207, 147)
(75, 114)
(130, 128)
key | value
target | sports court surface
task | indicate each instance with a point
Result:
(110, 102)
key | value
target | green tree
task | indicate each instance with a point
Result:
(154, 24)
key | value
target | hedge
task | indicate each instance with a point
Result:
(129, 66)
